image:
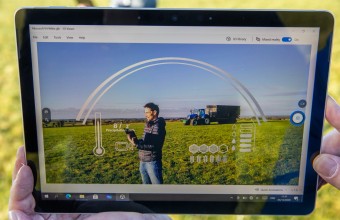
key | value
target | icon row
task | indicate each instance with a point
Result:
(194, 148)
(210, 159)
(79, 196)
(266, 198)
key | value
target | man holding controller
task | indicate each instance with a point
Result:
(150, 145)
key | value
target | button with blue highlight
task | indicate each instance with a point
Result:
(287, 39)
(68, 196)
(297, 118)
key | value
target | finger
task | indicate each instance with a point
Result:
(333, 112)
(331, 143)
(18, 215)
(328, 167)
(21, 191)
(20, 161)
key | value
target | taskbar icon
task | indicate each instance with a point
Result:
(86, 196)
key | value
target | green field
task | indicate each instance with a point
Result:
(274, 158)
(328, 204)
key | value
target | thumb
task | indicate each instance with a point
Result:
(328, 167)
(21, 191)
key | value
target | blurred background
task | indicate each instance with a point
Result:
(328, 202)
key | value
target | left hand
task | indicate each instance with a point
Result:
(22, 203)
(131, 140)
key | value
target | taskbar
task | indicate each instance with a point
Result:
(125, 197)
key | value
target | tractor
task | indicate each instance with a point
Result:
(197, 117)
(222, 114)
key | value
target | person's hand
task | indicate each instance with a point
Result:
(21, 201)
(131, 140)
(327, 164)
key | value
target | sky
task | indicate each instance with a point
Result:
(276, 75)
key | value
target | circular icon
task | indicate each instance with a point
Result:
(297, 118)
(302, 103)
(68, 196)
(98, 151)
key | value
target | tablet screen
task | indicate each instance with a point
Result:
(173, 111)
(232, 123)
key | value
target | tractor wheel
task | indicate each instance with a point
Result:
(193, 122)
(207, 121)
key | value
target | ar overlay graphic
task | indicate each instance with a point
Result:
(95, 90)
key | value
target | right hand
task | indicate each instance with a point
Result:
(327, 164)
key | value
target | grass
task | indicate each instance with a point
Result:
(70, 158)
(327, 206)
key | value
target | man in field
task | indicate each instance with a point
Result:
(150, 145)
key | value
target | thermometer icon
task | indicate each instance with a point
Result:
(98, 150)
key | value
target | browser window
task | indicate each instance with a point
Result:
(228, 136)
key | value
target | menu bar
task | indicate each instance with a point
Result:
(165, 34)
(225, 39)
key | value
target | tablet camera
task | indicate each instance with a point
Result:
(174, 18)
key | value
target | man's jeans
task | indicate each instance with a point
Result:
(151, 172)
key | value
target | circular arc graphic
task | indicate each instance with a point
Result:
(121, 74)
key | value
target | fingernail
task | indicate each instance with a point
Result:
(325, 165)
(12, 215)
(331, 98)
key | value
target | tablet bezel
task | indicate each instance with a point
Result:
(176, 17)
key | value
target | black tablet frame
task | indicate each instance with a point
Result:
(177, 17)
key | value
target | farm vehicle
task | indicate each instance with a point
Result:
(222, 114)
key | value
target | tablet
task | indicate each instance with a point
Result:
(227, 107)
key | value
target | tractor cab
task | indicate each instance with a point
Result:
(197, 113)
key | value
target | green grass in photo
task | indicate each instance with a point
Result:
(274, 157)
